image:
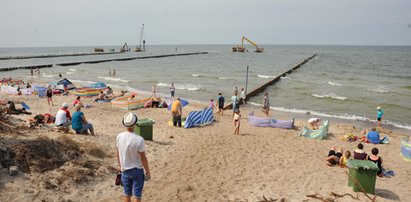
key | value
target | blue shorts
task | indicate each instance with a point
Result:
(133, 182)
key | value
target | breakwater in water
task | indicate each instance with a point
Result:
(263, 87)
(98, 61)
(55, 55)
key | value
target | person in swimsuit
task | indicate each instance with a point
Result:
(343, 159)
(334, 156)
(380, 113)
(376, 159)
(266, 104)
(49, 95)
(236, 120)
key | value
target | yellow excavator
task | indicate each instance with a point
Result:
(242, 48)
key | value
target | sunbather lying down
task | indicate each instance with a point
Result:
(334, 156)
(11, 109)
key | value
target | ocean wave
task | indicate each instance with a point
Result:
(69, 72)
(72, 69)
(81, 81)
(163, 85)
(196, 75)
(47, 75)
(342, 116)
(189, 87)
(285, 77)
(265, 76)
(334, 84)
(330, 95)
(380, 89)
(113, 79)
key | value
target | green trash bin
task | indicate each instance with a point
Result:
(364, 172)
(144, 128)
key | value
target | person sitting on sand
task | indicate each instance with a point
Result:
(11, 109)
(344, 158)
(63, 117)
(77, 101)
(108, 91)
(131, 97)
(80, 123)
(373, 136)
(101, 97)
(376, 159)
(314, 123)
(236, 120)
(359, 153)
(334, 156)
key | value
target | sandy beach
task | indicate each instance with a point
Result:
(206, 163)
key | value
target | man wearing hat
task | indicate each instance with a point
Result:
(132, 160)
(380, 113)
(63, 117)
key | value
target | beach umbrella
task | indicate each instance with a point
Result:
(182, 101)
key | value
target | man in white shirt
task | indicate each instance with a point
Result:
(63, 117)
(132, 160)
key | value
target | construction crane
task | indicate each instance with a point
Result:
(243, 49)
(124, 48)
(139, 47)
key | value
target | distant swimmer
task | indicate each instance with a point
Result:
(114, 73)
(60, 75)
(31, 71)
(109, 72)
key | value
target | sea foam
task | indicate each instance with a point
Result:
(329, 95)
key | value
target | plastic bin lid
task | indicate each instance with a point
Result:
(357, 164)
(145, 122)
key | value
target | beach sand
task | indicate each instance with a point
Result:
(206, 163)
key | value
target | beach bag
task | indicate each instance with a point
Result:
(118, 179)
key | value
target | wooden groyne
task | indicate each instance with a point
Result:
(262, 88)
(97, 61)
(55, 55)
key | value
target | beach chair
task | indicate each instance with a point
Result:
(316, 134)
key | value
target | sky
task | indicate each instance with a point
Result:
(44, 23)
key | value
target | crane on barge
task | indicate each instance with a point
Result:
(242, 49)
(140, 48)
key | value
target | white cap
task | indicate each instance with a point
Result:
(378, 107)
(129, 120)
(65, 105)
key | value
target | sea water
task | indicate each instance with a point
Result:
(346, 82)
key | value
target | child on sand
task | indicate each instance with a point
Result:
(237, 117)
(49, 95)
(211, 105)
(333, 157)
(344, 158)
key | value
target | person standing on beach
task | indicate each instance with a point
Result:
(172, 89)
(176, 112)
(236, 120)
(49, 94)
(243, 96)
(31, 71)
(236, 105)
(131, 159)
(380, 114)
(266, 104)
(236, 90)
(109, 72)
(220, 102)
(114, 73)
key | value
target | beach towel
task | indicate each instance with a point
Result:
(24, 105)
(197, 118)
(316, 134)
